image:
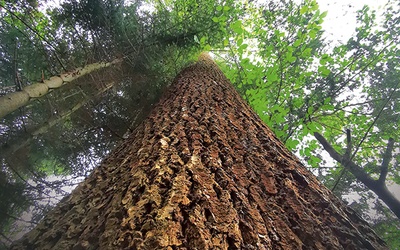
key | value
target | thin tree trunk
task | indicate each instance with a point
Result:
(15, 100)
(201, 172)
(24, 140)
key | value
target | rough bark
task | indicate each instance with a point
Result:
(15, 100)
(201, 172)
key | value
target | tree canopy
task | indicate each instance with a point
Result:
(321, 100)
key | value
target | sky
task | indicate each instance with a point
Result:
(340, 23)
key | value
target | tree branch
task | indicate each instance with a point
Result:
(332, 152)
(378, 187)
(387, 156)
(374, 121)
(356, 170)
(349, 144)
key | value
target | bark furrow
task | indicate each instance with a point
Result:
(201, 172)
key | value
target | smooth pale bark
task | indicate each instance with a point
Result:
(201, 172)
(15, 100)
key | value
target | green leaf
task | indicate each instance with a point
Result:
(297, 43)
(307, 152)
(312, 34)
(314, 160)
(215, 19)
(327, 100)
(292, 144)
(237, 27)
(245, 62)
(328, 107)
(223, 18)
(314, 5)
(290, 58)
(324, 71)
(272, 77)
(303, 10)
(307, 52)
(239, 42)
(226, 42)
(324, 59)
(242, 47)
(219, 8)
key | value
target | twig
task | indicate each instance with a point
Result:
(373, 123)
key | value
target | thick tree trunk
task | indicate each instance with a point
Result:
(201, 172)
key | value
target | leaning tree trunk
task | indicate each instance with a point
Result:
(15, 100)
(201, 172)
(9, 148)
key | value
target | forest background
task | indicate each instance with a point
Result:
(322, 98)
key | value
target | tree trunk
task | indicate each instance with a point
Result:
(15, 100)
(201, 172)
(9, 148)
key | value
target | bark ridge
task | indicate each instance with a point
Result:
(201, 172)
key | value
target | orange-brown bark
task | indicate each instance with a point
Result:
(201, 172)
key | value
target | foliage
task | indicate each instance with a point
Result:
(274, 52)
(273, 66)
(298, 85)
